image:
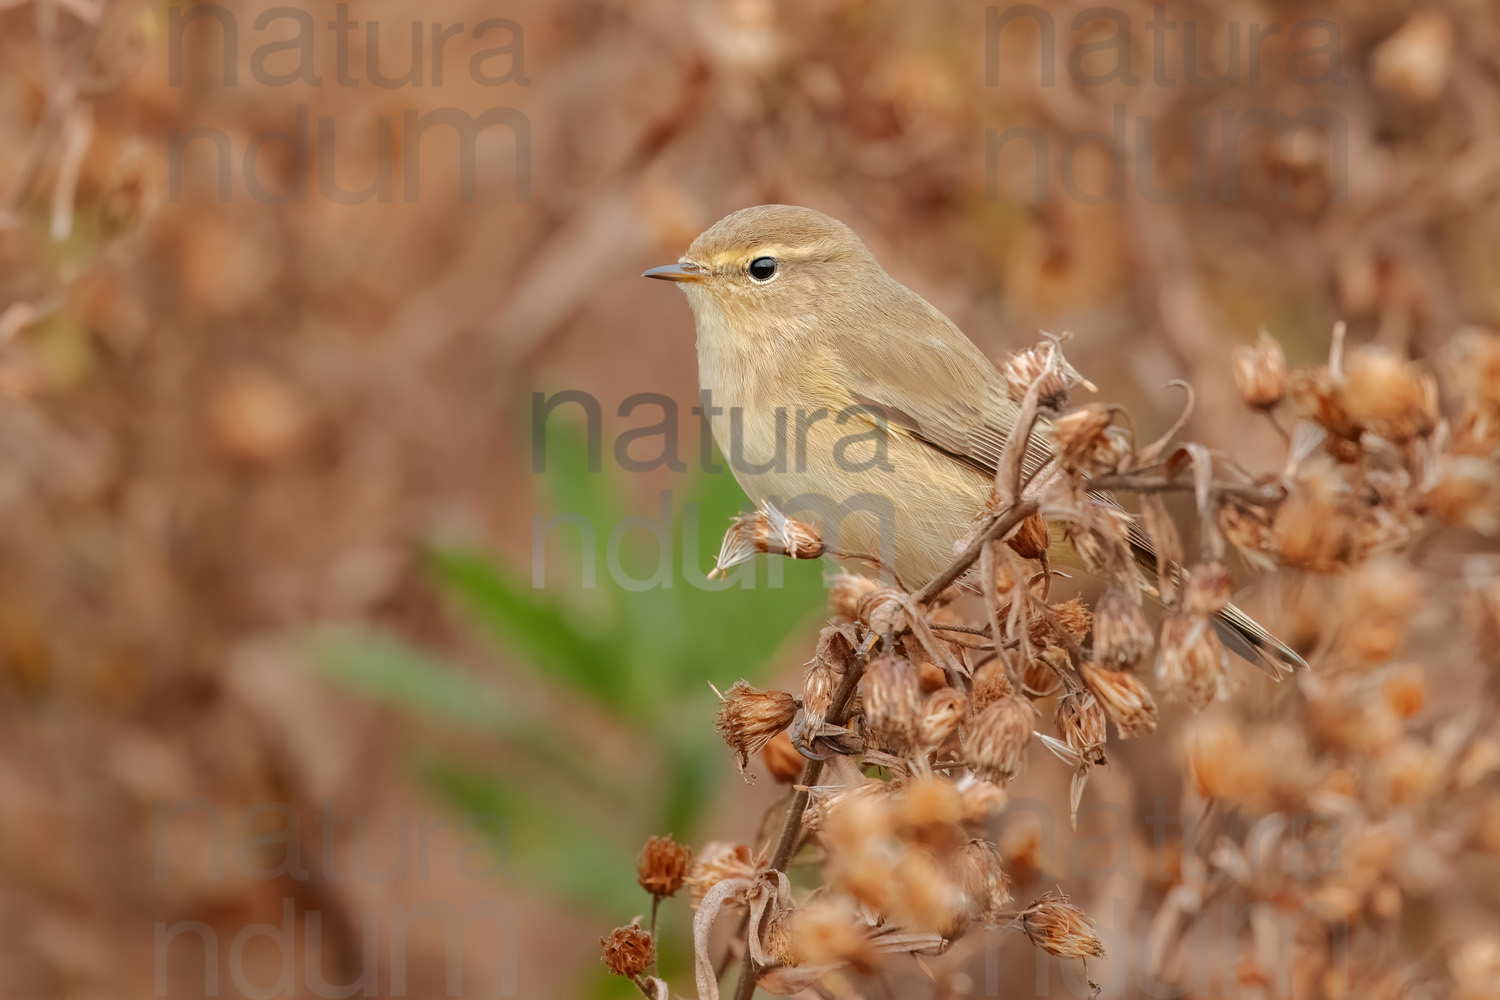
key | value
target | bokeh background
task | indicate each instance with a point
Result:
(270, 477)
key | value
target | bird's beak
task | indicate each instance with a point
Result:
(676, 272)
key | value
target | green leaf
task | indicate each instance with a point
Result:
(393, 671)
(541, 630)
(589, 864)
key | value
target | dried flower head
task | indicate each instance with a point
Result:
(1388, 396)
(981, 877)
(1126, 700)
(1060, 928)
(719, 860)
(1260, 372)
(628, 951)
(925, 897)
(1248, 529)
(1192, 660)
(1072, 616)
(749, 717)
(846, 593)
(995, 745)
(1042, 674)
(827, 931)
(1415, 62)
(662, 866)
(766, 530)
(1208, 589)
(821, 678)
(1088, 440)
(1100, 536)
(942, 713)
(1121, 634)
(928, 812)
(1023, 368)
(892, 700)
(782, 760)
(1031, 538)
(1082, 724)
(990, 684)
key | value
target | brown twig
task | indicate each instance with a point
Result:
(791, 830)
(1001, 526)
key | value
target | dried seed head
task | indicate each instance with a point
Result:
(1121, 634)
(1060, 928)
(628, 951)
(942, 713)
(928, 813)
(1474, 368)
(1042, 674)
(1023, 368)
(718, 861)
(1082, 724)
(1312, 530)
(859, 835)
(1088, 441)
(1052, 394)
(1415, 62)
(1192, 660)
(892, 700)
(981, 876)
(827, 931)
(1389, 397)
(1466, 493)
(1208, 589)
(1405, 690)
(990, 685)
(1248, 529)
(981, 800)
(995, 745)
(821, 678)
(1031, 538)
(925, 898)
(1100, 538)
(766, 529)
(846, 593)
(1075, 618)
(1126, 700)
(782, 760)
(662, 866)
(1260, 372)
(749, 717)
(1377, 604)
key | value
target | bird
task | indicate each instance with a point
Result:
(832, 388)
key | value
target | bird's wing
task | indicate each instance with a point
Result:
(940, 390)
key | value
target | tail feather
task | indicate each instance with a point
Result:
(1243, 635)
(1247, 638)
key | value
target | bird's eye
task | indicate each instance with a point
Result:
(763, 268)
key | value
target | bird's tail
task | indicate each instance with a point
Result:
(1249, 639)
(1243, 635)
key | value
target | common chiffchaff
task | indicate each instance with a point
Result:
(839, 394)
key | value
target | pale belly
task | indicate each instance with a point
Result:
(866, 492)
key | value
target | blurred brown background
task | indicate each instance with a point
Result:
(232, 419)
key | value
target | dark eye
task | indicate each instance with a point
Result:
(763, 268)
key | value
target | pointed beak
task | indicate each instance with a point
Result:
(676, 272)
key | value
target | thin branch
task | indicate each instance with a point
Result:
(791, 830)
(1001, 526)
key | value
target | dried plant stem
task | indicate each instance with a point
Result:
(656, 954)
(1002, 525)
(1133, 482)
(791, 830)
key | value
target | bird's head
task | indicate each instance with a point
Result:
(773, 271)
